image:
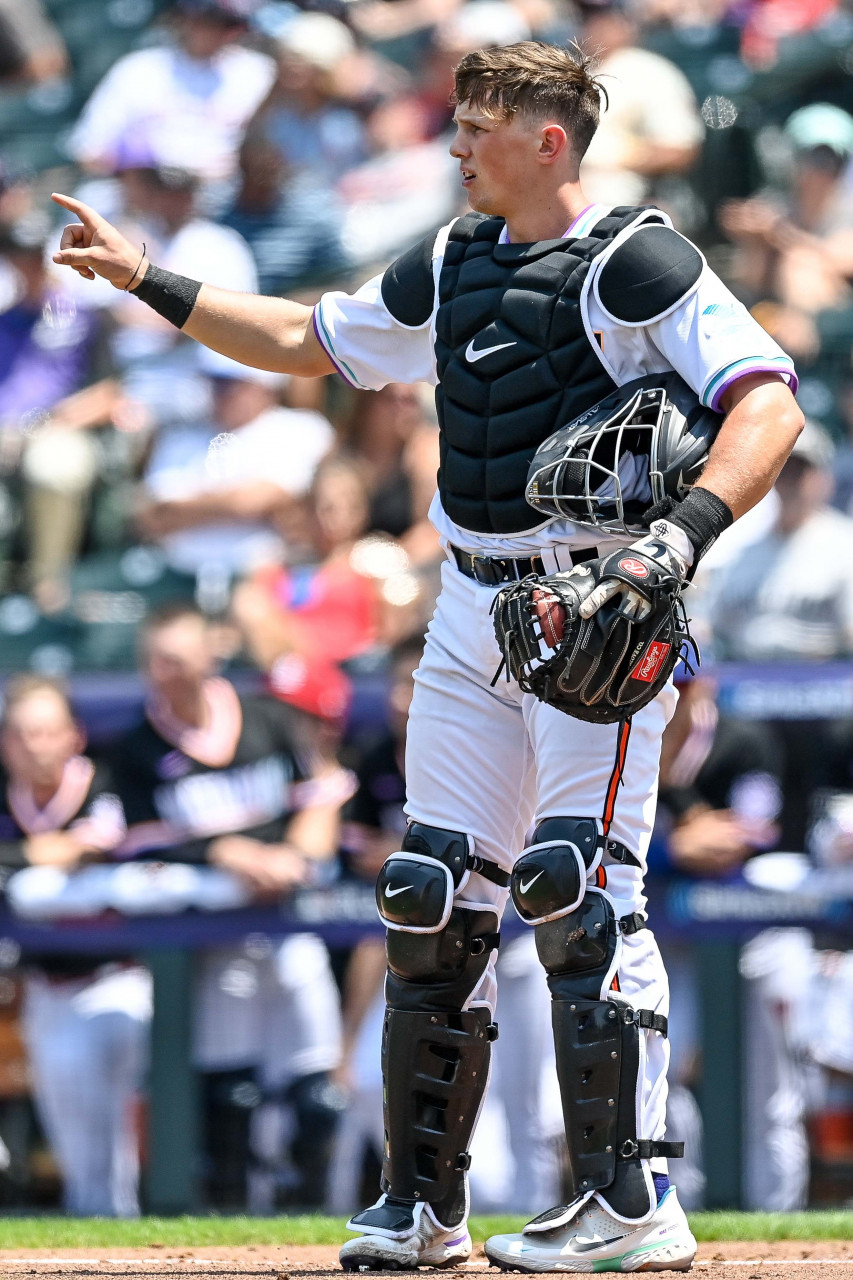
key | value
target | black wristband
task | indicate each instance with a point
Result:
(170, 295)
(703, 517)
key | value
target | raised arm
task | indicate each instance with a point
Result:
(267, 333)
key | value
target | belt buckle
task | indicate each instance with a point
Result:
(485, 574)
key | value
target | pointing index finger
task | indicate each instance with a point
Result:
(84, 212)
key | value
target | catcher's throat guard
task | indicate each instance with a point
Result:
(603, 668)
(647, 441)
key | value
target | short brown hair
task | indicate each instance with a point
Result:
(22, 687)
(536, 78)
(172, 611)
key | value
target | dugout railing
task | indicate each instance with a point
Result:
(715, 918)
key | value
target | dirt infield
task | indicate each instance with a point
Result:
(778, 1260)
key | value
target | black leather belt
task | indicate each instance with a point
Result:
(492, 571)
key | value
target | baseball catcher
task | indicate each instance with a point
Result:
(526, 314)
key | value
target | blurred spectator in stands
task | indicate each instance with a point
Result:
(842, 463)
(831, 1124)
(218, 493)
(292, 224)
(160, 382)
(351, 589)
(830, 843)
(483, 24)
(380, 427)
(213, 777)
(420, 467)
(720, 804)
(395, 430)
(31, 48)
(304, 115)
(789, 594)
(154, 196)
(203, 86)
(643, 136)
(85, 1017)
(329, 606)
(720, 795)
(47, 351)
(797, 247)
(373, 825)
(780, 993)
(374, 821)
(772, 23)
(319, 697)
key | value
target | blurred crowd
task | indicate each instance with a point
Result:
(258, 547)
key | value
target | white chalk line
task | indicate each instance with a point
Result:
(140, 1264)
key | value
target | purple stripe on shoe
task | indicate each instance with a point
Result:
(458, 1240)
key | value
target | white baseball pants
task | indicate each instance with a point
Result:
(493, 761)
(87, 1041)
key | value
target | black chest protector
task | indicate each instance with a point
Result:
(514, 361)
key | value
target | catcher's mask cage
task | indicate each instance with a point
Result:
(646, 441)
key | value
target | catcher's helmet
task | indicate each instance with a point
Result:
(646, 441)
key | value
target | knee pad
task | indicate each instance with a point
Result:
(549, 879)
(597, 1040)
(416, 887)
(437, 952)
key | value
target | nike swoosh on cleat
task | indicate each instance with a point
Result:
(595, 1244)
(522, 888)
(473, 356)
(392, 893)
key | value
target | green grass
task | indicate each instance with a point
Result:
(171, 1233)
(816, 1224)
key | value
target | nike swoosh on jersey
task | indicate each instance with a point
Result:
(392, 893)
(473, 356)
(524, 887)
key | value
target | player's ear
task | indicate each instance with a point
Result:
(553, 143)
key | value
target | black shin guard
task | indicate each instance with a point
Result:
(435, 1067)
(598, 1058)
(435, 1053)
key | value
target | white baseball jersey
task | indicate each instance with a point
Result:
(709, 338)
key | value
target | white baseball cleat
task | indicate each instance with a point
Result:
(403, 1237)
(593, 1240)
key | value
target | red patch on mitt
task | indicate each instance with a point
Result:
(649, 665)
(551, 615)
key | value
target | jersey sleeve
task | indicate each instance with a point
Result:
(712, 341)
(147, 835)
(362, 808)
(383, 332)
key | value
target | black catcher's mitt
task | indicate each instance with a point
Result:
(602, 668)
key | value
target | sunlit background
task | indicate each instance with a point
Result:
(168, 1042)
